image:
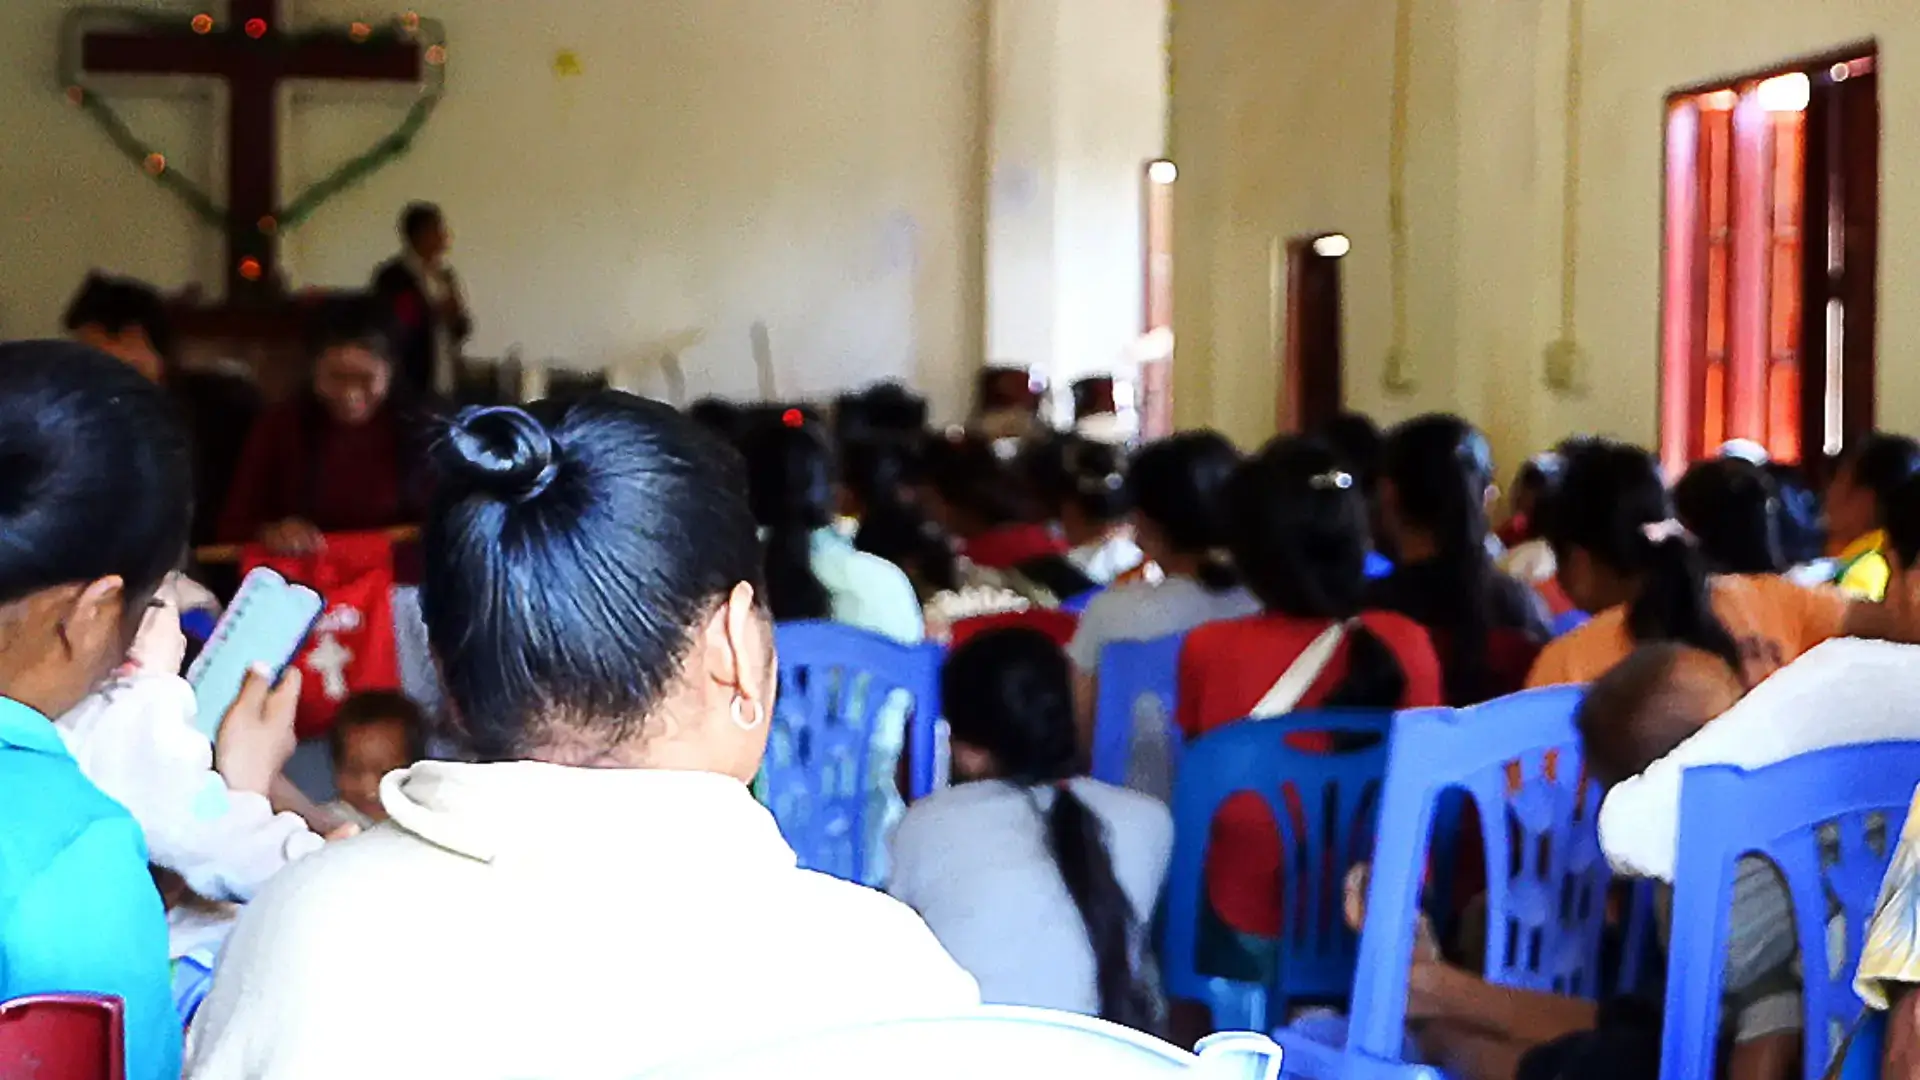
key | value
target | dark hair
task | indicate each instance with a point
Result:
(971, 478)
(1538, 478)
(1641, 710)
(1730, 507)
(885, 409)
(95, 475)
(1071, 470)
(902, 535)
(1880, 464)
(1297, 526)
(349, 320)
(118, 304)
(790, 488)
(1179, 484)
(1355, 440)
(1441, 468)
(1903, 523)
(370, 708)
(1010, 693)
(1609, 497)
(571, 551)
(720, 416)
(417, 218)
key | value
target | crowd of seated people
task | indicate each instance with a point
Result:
(600, 582)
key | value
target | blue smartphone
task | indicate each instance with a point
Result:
(266, 624)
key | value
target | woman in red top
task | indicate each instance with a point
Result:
(337, 458)
(987, 507)
(1298, 533)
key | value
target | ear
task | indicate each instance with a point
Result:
(95, 622)
(739, 647)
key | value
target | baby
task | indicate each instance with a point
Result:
(374, 733)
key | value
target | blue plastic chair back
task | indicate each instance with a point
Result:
(1077, 605)
(1518, 760)
(836, 685)
(1377, 566)
(1134, 675)
(1339, 794)
(1569, 621)
(1810, 816)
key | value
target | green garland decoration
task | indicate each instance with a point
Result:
(429, 34)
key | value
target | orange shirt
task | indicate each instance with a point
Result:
(1772, 620)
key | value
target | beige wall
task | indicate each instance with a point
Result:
(815, 166)
(1078, 98)
(1280, 124)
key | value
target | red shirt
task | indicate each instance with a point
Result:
(342, 479)
(1225, 669)
(1008, 546)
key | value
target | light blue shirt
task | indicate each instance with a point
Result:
(866, 590)
(78, 909)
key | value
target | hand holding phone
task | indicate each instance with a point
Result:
(256, 735)
(264, 628)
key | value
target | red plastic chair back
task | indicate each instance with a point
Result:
(62, 1037)
(1057, 625)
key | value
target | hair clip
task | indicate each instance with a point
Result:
(1659, 532)
(793, 418)
(1331, 480)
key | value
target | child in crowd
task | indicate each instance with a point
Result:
(1020, 842)
(1083, 483)
(1652, 705)
(374, 733)
(1856, 506)
(206, 807)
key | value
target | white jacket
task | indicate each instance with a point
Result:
(525, 919)
(1842, 693)
(136, 740)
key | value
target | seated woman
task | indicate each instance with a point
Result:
(1623, 557)
(593, 596)
(1435, 475)
(1730, 507)
(1856, 506)
(340, 457)
(95, 504)
(1177, 487)
(812, 572)
(1297, 530)
(1075, 864)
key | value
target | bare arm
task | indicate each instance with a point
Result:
(1086, 692)
(1447, 995)
(1901, 1055)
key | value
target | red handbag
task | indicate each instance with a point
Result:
(351, 649)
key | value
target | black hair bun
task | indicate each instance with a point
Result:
(499, 451)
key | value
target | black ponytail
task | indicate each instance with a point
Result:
(1612, 506)
(790, 488)
(1440, 469)
(1297, 528)
(1010, 693)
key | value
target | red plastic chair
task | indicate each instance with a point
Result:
(62, 1037)
(1057, 625)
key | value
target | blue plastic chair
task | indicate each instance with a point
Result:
(1567, 622)
(1809, 815)
(836, 684)
(1544, 912)
(1133, 675)
(1338, 794)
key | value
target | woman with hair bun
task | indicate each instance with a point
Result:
(594, 599)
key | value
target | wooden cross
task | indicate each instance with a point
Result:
(250, 55)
